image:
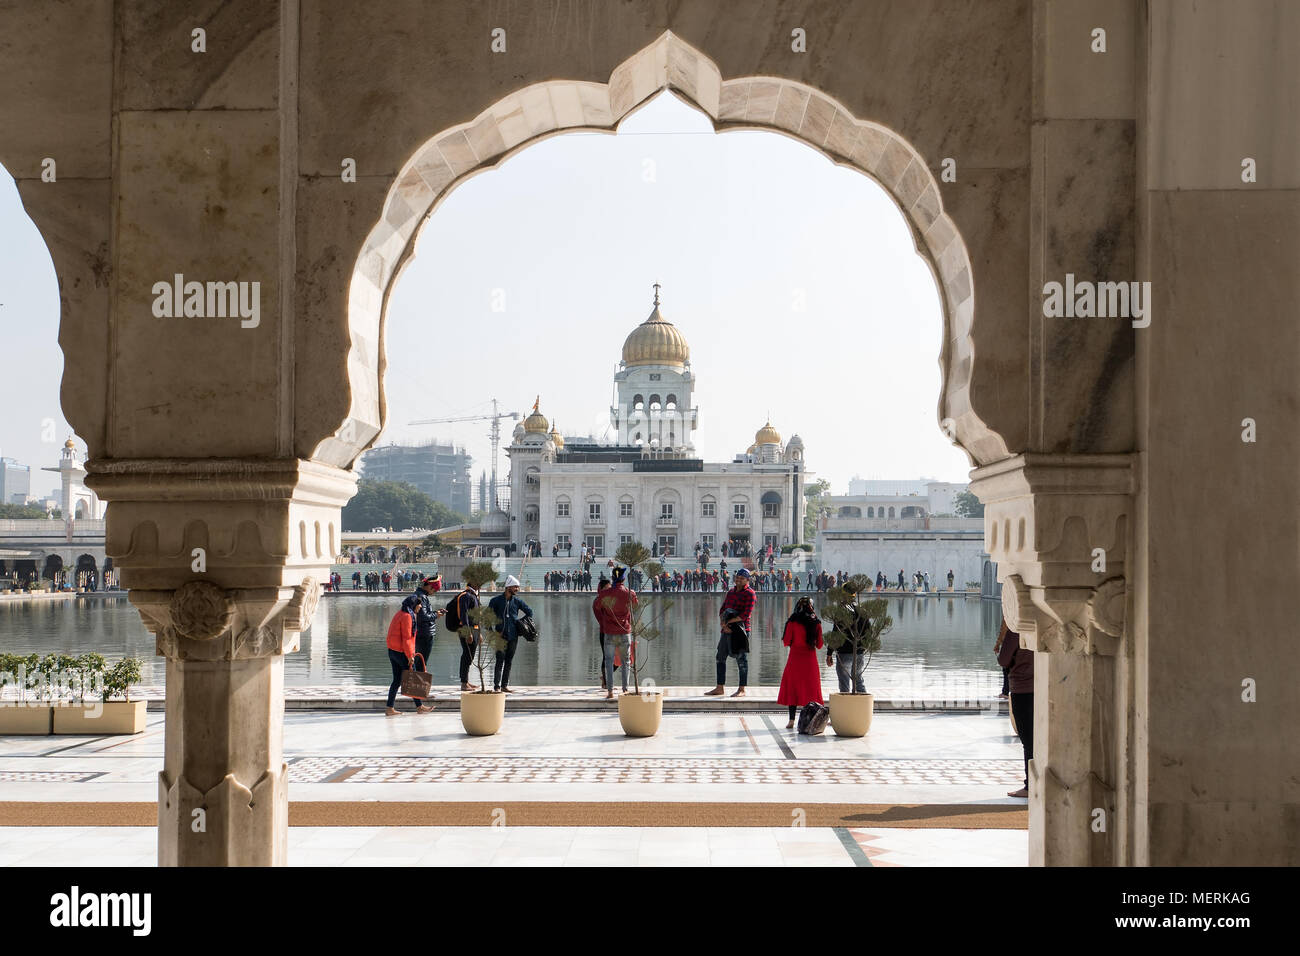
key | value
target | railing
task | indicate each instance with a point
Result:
(20, 526)
(838, 523)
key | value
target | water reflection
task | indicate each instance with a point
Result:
(948, 655)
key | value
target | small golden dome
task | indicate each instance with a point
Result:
(557, 438)
(656, 341)
(767, 435)
(69, 444)
(751, 449)
(536, 423)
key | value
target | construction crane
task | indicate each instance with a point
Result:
(495, 418)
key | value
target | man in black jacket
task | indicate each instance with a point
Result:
(426, 626)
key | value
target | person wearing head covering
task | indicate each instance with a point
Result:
(426, 626)
(507, 606)
(613, 607)
(801, 681)
(1020, 660)
(737, 607)
(598, 612)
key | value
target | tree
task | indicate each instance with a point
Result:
(396, 505)
(21, 511)
(968, 506)
(633, 554)
(818, 497)
(857, 624)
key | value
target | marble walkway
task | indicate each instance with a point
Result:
(350, 760)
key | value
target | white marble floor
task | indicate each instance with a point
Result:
(906, 758)
(549, 846)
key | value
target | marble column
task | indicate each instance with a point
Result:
(1057, 526)
(224, 560)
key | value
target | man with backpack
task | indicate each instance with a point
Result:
(457, 621)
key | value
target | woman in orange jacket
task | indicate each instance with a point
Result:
(401, 654)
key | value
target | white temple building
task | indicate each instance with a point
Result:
(648, 486)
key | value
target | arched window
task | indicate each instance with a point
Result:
(771, 502)
(847, 511)
(871, 512)
(708, 507)
(671, 402)
(562, 506)
(530, 514)
(533, 476)
(656, 403)
(638, 402)
(891, 512)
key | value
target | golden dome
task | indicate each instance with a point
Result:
(557, 438)
(656, 341)
(69, 444)
(767, 435)
(536, 423)
(751, 449)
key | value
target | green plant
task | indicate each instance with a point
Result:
(487, 641)
(859, 624)
(646, 612)
(90, 669)
(119, 678)
(478, 573)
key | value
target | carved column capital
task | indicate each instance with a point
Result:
(1057, 526)
(223, 558)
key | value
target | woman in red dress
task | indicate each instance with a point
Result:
(801, 683)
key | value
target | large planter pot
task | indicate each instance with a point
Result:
(94, 719)
(482, 714)
(851, 714)
(640, 714)
(20, 718)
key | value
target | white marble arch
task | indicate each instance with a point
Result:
(553, 107)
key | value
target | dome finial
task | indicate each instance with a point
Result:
(656, 295)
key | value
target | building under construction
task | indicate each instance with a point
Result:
(441, 471)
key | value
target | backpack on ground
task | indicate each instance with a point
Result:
(813, 718)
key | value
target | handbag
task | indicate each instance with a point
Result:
(417, 684)
(526, 628)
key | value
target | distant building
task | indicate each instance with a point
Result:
(440, 471)
(15, 482)
(935, 497)
(648, 485)
(75, 499)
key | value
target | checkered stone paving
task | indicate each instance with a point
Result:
(570, 770)
(48, 776)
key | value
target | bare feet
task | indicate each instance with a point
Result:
(739, 693)
(790, 726)
(1022, 792)
(506, 690)
(609, 695)
(466, 686)
(716, 692)
(424, 709)
(392, 712)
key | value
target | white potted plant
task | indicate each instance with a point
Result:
(482, 711)
(857, 627)
(23, 713)
(641, 712)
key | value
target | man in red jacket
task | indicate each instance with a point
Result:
(613, 608)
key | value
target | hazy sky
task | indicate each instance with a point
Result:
(795, 283)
